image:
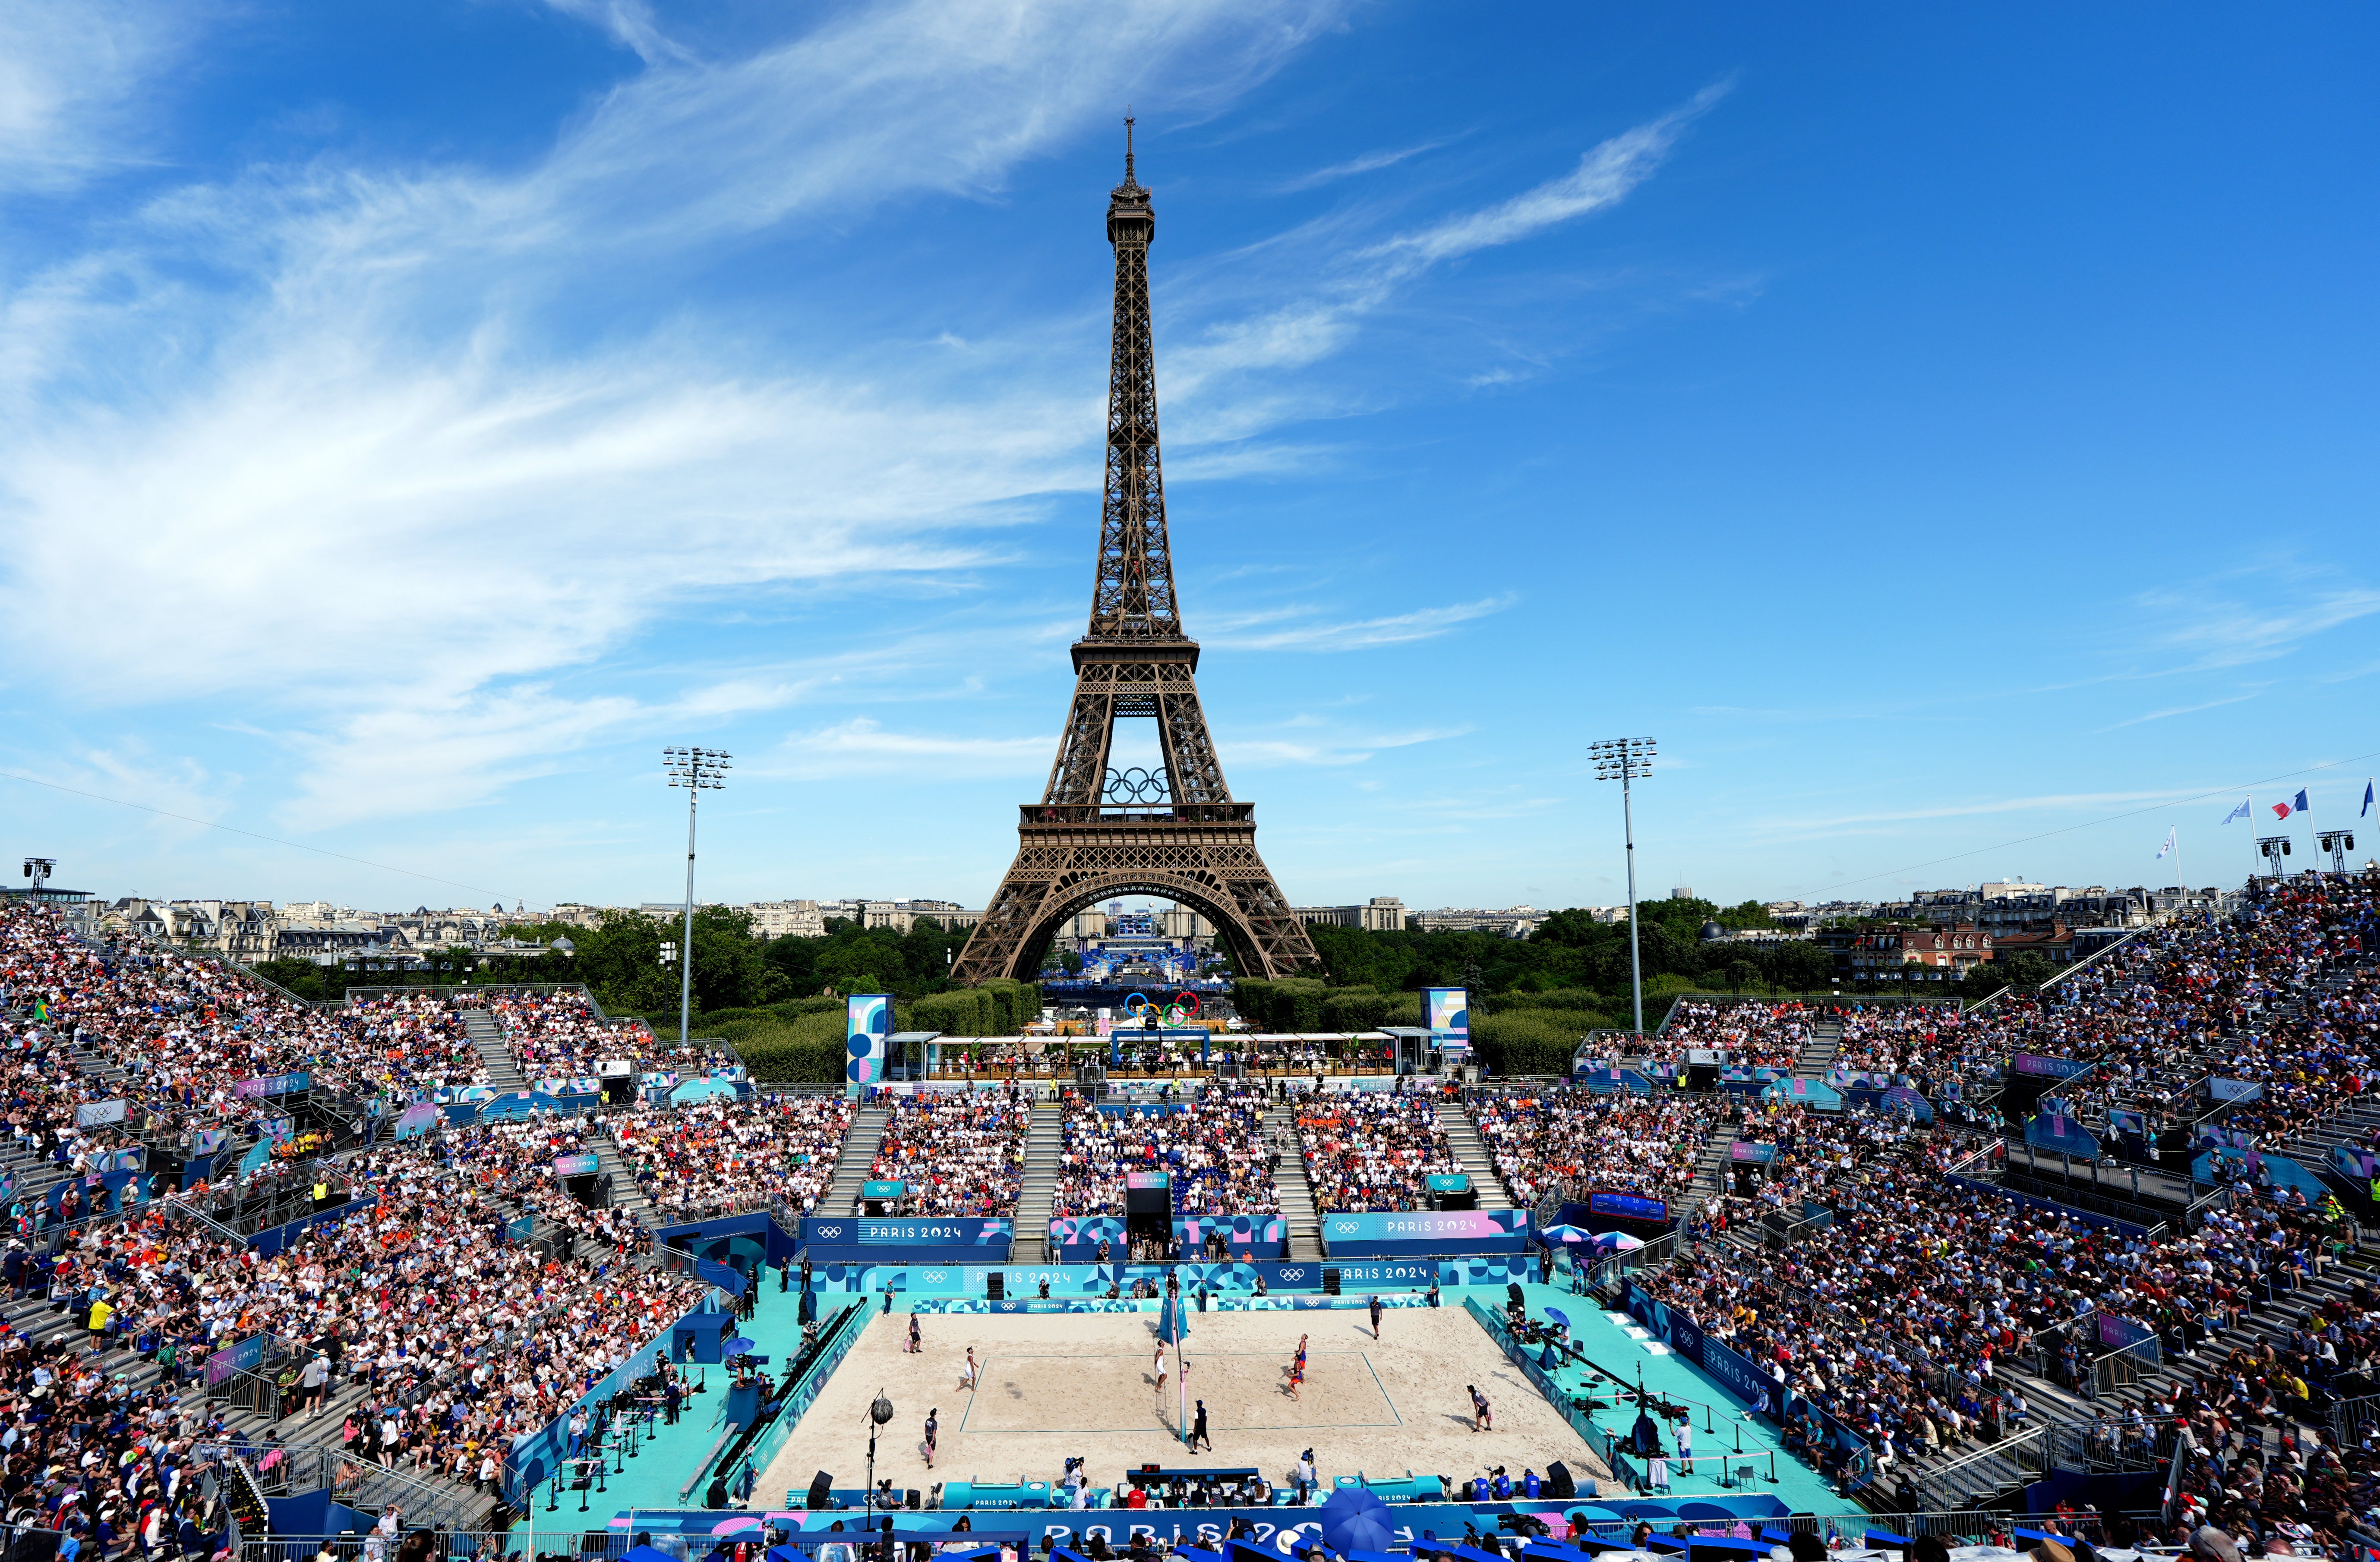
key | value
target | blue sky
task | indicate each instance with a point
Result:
(1939, 432)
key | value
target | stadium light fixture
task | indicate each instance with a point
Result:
(1625, 760)
(2337, 842)
(698, 770)
(39, 869)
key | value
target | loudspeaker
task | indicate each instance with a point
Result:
(995, 1285)
(1558, 1485)
(822, 1492)
(1329, 1282)
(913, 1495)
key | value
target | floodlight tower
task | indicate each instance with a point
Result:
(2337, 842)
(39, 869)
(1624, 760)
(2274, 847)
(699, 770)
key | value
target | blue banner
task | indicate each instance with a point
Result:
(2121, 1333)
(244, 1356)
(950, 1240)
(1425, 1231)
(271, 1085)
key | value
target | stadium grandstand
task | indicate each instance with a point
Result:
(2096, 1257)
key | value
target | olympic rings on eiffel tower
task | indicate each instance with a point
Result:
(1137, 785)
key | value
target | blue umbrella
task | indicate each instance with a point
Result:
(1354, 1519)
(739, 1346)
(1565, 1234)
(1558, 1315)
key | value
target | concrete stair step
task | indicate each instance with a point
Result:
(1044, 1145)
(1472, 1152)
(860, 1143)
(1298, 1216)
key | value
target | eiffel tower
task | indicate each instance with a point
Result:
(1174, 833)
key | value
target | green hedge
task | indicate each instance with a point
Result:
(1354, 1008)
(1581, 1000)
(1292, 1003)
(999, 1007)
(1532, 1041)
(805, 1050)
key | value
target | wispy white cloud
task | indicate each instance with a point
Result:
(1369, 163)
(361, 446)
(1259, 753)
(1974, 809)
(1297, 628)
(1605, 176)
(2178, 710)
(629, 21)
(72, 77)
(1323, 318)
(2213, 625)
(863, 746)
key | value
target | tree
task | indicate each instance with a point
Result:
(2023, 970)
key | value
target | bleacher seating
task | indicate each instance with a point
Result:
(1211, 1148)
(1753, 1034)
(1373, 1153)
(961, 1153)
(716, 1155)
(1614, 1143)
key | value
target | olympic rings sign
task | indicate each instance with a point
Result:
(1175, 1014)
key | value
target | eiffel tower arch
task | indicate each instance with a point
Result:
(1174, 831)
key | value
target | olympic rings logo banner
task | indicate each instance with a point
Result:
(1174, 1013)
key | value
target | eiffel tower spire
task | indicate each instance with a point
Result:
(1133, 597)
(1176, 833)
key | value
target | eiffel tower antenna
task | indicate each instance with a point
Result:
(1176, 832)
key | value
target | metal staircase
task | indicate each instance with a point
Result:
(1464, 1139)
(1044, 1145)
(1817, 1054)
(625, 1194)
(1289, 1180)
(505, 1076)
(851, 1163)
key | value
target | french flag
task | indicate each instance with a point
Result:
(2283, 810)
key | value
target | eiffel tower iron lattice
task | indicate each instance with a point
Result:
(1174, 831)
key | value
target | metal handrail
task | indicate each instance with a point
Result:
(2091, 958)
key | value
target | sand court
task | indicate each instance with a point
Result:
(1244, 1391)
(1054, 1385)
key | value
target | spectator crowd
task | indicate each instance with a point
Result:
(1211, 1148)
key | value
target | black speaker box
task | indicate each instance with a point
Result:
(914, 1496)
(822, 1492)
(1558, 1485)
(1329, 1282)
(996, 1285)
